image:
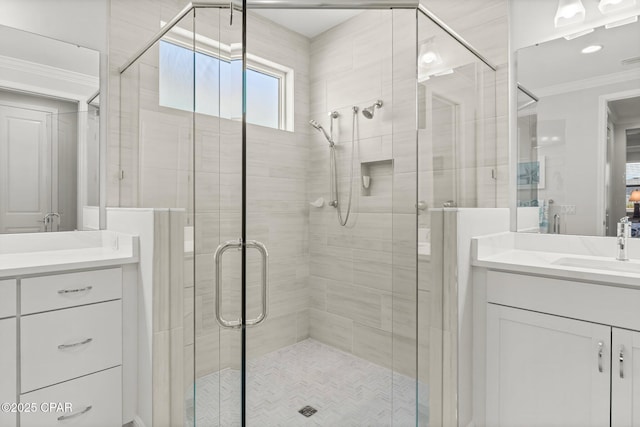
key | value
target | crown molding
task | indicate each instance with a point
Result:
(592, 82)
(48, 71)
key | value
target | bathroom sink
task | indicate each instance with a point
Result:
(600, 264)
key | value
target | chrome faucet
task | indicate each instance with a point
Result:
(624, 232)
(556, 224)
(48, 220)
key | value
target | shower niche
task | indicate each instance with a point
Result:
(376, 178)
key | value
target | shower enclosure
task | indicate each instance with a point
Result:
(284, 312)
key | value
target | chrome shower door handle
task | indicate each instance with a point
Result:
(252, 244)
(217, 257)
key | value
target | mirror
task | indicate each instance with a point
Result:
(49, 134)
(577, 118)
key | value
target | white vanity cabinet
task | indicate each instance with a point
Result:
(545, 370)
(8, 350)
(7, 298)
(8, 375)
(62, 343)
(94, 399)
(625, 378)
(553, 360)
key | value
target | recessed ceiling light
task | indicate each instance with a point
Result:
(591, 49)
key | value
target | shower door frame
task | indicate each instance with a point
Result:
(241, 6)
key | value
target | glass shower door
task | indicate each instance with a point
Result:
(457, 162)
(218, 216)
(338, 346)
(180, 157)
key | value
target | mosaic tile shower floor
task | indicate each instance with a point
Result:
(345, 390)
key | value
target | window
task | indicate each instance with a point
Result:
(633, 173)
(218, 82)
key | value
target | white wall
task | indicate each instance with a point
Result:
(138, 222)
(82, 22)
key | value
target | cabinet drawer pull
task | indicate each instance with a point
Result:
(600, 355)
(66, 417)
(621, 358)
(74, 291)
(65, 346)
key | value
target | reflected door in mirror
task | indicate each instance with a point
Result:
(26, 187)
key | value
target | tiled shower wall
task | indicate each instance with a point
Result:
(281, 165)
(351, 281)
(153, 147)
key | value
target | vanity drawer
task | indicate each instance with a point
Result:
(67, 290)
(609, 305)
(96, 401)
(60, 345)
(7, 298)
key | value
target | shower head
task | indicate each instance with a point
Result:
(318, 127)
(369, 111)
(315, 124)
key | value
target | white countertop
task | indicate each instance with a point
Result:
(584, 259)
(54, 252)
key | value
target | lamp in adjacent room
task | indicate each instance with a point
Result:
(569, 12)
(635, 198)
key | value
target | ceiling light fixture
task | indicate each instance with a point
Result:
(570, 12)
(621, 22)
(608, 6)
(429, 55)
(579, 34)
(591, 49)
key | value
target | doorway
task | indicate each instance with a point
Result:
(623, 153)
(39, 143)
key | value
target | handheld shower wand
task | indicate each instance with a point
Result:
(317, 126)
(333, 167)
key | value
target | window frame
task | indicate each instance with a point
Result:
(228, 53)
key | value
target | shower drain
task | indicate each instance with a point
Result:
(307, 411)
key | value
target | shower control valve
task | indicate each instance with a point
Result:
(333, 203)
